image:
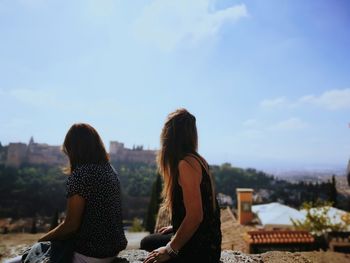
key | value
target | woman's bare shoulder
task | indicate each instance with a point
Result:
(189, 162)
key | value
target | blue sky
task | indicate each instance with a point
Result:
(269, 81)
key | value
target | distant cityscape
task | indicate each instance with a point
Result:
(16, 154)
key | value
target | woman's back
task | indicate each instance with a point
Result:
(205, 244)
(101, 232)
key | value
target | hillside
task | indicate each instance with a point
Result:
(40, 190)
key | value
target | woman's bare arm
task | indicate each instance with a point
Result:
(190, 177)
(71, 224)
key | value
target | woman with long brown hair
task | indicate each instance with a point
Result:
(188, 193)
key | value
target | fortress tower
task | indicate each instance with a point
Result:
(115, 147)
(118, 152)
(16, 154)
(34, 153)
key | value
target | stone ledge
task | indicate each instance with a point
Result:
(229, 256)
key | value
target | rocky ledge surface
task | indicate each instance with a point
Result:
(228, 256)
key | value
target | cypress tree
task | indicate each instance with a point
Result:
(333, 192)
(154, 204)
(348, 172)
(314, 188)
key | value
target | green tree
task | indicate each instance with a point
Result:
(154, 204)
(317, 221)
(333, 195)
(348, 172)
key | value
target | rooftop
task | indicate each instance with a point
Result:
(278, 237)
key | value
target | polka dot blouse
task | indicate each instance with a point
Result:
(101, 232)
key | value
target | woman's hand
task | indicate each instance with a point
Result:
(165, 230)
(157, 255)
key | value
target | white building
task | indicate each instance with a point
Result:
(276, 215)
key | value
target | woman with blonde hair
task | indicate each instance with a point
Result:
(189, 194)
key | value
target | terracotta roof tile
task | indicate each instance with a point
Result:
(278, 237)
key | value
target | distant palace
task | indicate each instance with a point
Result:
(16, 154)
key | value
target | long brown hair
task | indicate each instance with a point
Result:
(83, 145)
(178, 139)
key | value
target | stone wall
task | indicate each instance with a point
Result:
(118, 152)
(16, 154)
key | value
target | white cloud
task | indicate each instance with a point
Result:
(254, 131)
(272, 103)
(167, 23)
(290, 124)
(335, 99)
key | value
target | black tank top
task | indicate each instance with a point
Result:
(205, 244)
